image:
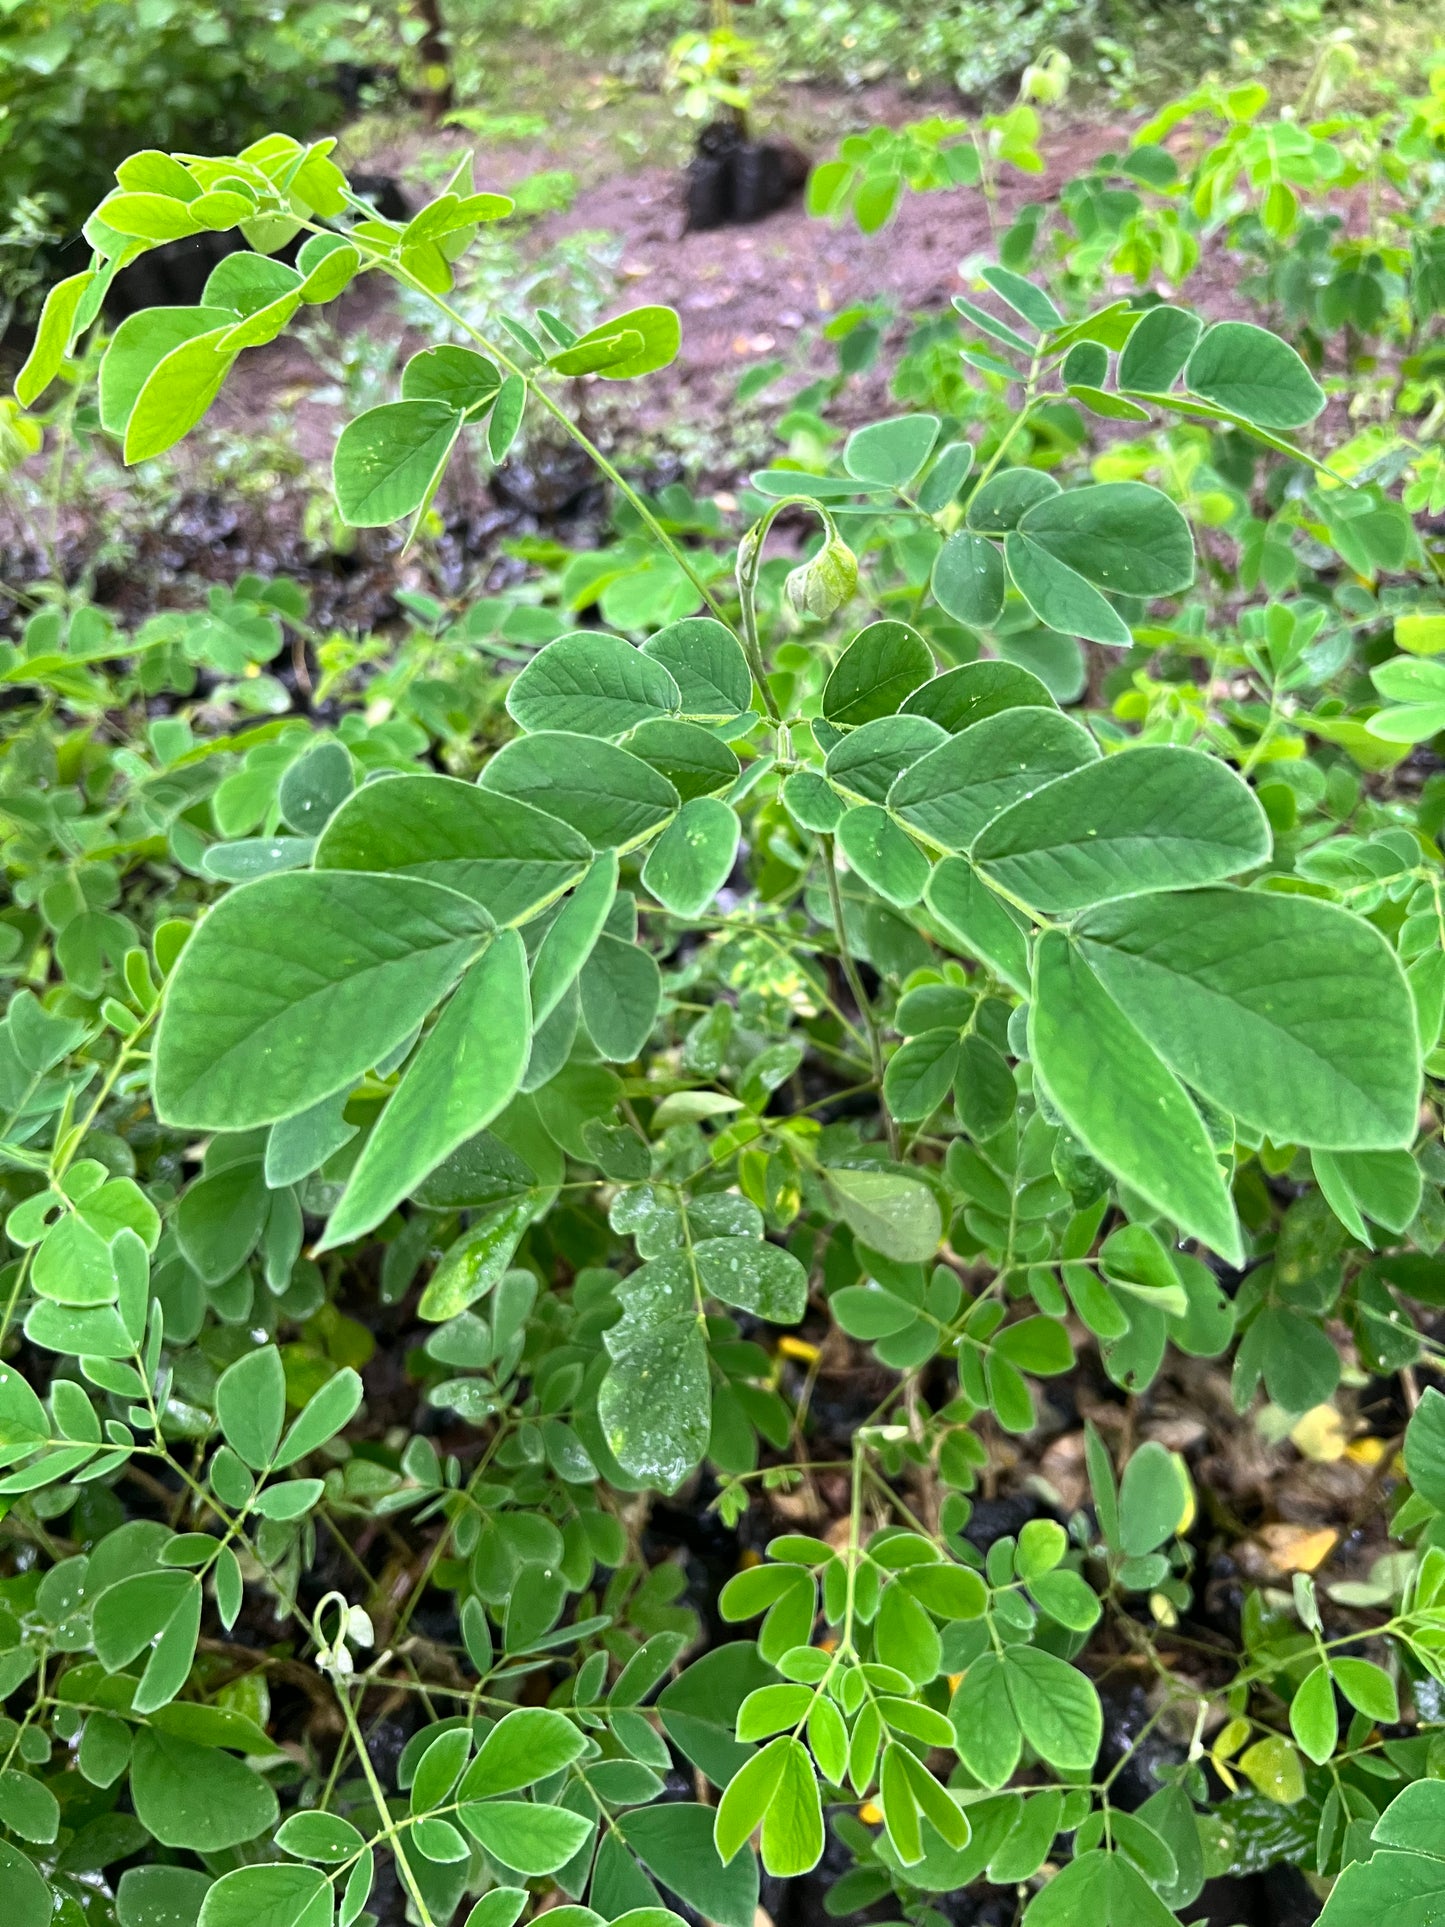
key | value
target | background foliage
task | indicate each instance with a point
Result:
(554, 1159)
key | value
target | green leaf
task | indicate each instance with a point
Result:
(689, 755)
(28, 1901)
(507, 856)
(621, 990)
(904, 1636)
(1389, 1889)
(74, 1266)
(196, 1796)
(613, 798)
(506, 418)
(1326, 1056)
(270, 1896)
(314, 787)
(1024, 298)
(699, 1709)
(1124, 537)
(886, 858)
(812, 801)
(658, 1343)
(1133, 1259)
(895, 1215)
(1060, 597)
(251, 1405)
(884, 663)
(792, 1839)
(968, 580)
(248, 283)
(674, 1841)
(389, 460)
(996, 504)
(159, 1896)
(694, 856)
(468, 1066)
(28, 1807)
(920, 1075)
(1153, 1495)
(1121, 1101)
(900, 1811)
(503, 1906)
(953, 793)
(298, 1145)
(659, 335)
(53, 335)
(1153, 357)
(598, 353)
(460, 377)
(22, 1417)
(891, 452)
(592, 684)
(1368, 1688)
(1154, 818)
(1100, 402)
(1413, 1820)
(941, 485)
(220, 1218)
(749, 1794)
(1254, 374)
(707, 663)
(137, 348)
(323, 1416)
(1103, 1889)
(1313, 1715)
(294, 985)
(1425, 1448)
(532, 1840)
(474, 1265)
(104, 1749)
(964, 696)
(176, 394)
(866, 762)
(1383, 1185)
(986, 1728)
(754, 1275)
(1064, 1596)
(439, 1768)
(978, 922)
(571, 937)
(150, 217)
(985, 1093)
(524, 1746)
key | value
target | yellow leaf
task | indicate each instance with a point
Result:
(1297, 1548)
(1423, 633)
(1273, 1768)
(791, 1347)
(1320, 1435)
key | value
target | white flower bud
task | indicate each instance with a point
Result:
(823, 584)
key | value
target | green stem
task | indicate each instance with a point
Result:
(559, 415)
(383, 1812)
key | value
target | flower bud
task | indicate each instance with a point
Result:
(823, 584)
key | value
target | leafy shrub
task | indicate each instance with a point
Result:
(83, 82)
(972, 45)
(797, 964)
